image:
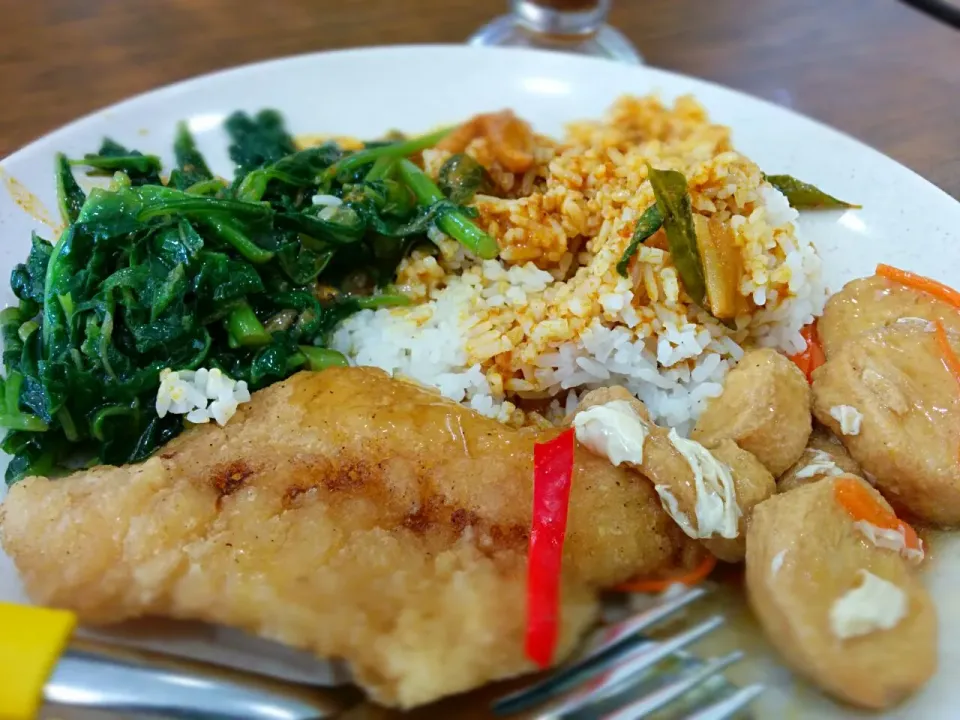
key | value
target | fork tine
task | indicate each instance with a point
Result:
(627, 669)
(603, 647)
(664, 696)
(729, 706)
(614, 634)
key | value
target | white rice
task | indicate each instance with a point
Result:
(674, 365)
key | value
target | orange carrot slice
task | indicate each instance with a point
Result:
(921, 283)
(655, 585)
(817, 356)
(811, 357)
(860, 504)
(802, 360)
(950, 358)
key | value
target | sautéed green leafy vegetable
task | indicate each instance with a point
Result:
(240, 274)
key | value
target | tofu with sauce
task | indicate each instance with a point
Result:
(825, 456)
(851, 616)
(753, 484)
(709, 492)
(871, 302)
(764, 408)
(889, 397)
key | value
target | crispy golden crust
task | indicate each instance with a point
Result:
(346, 513)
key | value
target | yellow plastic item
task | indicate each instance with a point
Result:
(31, 641)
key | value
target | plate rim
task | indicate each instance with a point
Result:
(669, 76)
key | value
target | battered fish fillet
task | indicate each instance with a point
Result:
(346, 513)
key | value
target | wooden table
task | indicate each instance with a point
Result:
(876, 69)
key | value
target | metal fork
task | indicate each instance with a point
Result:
(621, 674)
(624, 674)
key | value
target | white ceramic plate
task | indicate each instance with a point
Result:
(905, 220)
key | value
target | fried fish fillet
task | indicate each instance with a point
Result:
(347, 513)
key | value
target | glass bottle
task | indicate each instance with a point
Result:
(577, 26)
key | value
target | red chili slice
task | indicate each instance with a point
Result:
(552, 476)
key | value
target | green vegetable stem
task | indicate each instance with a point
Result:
(450, 219)
(404, 148)
(245, 329)
(317, 359)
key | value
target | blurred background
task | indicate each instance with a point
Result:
(877, 69)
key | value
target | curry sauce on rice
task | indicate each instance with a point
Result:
(552, 316)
